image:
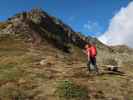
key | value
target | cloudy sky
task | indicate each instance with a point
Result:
(120, 29)
(111, 21)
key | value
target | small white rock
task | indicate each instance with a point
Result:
(43, 62)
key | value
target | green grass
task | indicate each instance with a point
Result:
(21, 77)
(9, 72)
(69, 90)
(10, 46)
(11, 52)
(12, 91)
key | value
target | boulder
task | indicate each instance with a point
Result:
(112, 68)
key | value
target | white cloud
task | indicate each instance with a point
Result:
(120, 30)
(93, 27)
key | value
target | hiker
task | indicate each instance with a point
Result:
(91, 52)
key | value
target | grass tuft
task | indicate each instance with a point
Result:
(68, 90)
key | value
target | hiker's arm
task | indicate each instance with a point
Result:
(84, 51)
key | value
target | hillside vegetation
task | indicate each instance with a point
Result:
(43, 60)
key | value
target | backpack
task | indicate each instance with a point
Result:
(93, 51)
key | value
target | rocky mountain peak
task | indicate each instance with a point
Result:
(37, 25)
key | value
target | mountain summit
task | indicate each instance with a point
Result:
(36, 26)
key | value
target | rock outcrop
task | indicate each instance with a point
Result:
(36, 25)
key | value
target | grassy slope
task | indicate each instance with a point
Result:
(23, 78)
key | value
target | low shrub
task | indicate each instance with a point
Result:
(68, 90)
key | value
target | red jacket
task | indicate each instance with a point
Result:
(91, 51)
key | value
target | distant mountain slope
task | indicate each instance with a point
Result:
(37, 26)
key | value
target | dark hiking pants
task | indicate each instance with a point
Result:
(93, 62)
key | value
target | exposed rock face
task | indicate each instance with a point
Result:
(37, 26)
